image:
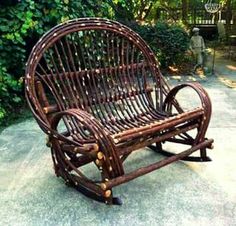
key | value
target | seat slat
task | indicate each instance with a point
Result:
(158, 125)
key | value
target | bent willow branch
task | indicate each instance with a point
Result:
(95, 88)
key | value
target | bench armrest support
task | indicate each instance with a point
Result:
(106, 147)
(205, 101)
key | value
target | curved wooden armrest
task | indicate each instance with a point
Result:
(205, 100)
(106, 149)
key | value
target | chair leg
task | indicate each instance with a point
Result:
(203, 154)
(106, 198)
(111, 200)
(86, 187)
(159, 146)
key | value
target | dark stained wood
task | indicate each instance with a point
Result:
(95, 88)
(147, 169)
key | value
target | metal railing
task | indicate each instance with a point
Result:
(195, 16)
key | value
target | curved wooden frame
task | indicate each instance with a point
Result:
(108, 91)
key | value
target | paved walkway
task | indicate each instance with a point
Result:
(180, 194)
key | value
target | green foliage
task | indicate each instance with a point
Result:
(9, 92)
(21, 25)
(131, 10)
(169, 42)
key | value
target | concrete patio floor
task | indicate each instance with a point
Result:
(183, 193)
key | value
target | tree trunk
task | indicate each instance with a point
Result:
(234, 22)
(228, 16)
(185, 11)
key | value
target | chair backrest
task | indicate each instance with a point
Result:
(98, 65)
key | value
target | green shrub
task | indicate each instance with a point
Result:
(9, 92)
(21, 25)
(169, 42)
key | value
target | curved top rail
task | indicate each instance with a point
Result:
(54, 36)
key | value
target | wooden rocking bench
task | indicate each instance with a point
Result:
(95, 88)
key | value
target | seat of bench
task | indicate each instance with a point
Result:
(154, 128)
(158, 125)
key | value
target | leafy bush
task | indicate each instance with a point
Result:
(168, 41)
(9, 93)
(22, 24)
